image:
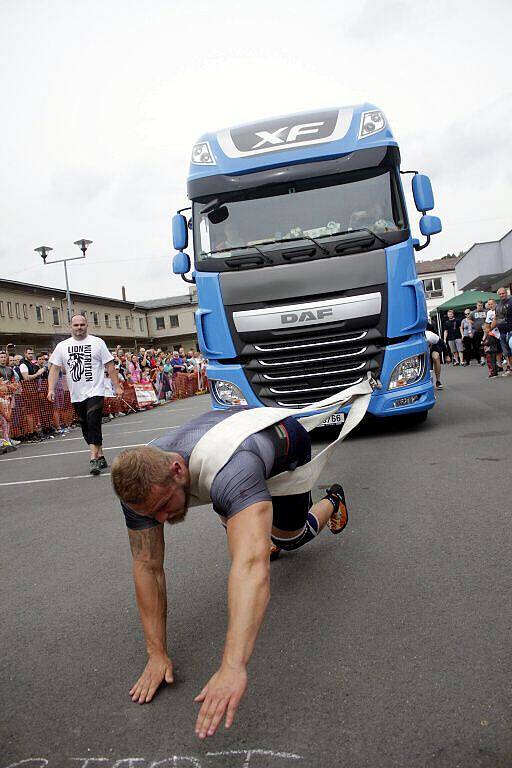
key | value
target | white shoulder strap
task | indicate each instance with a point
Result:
(217, 446)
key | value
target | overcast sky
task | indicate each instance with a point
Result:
(101, 101)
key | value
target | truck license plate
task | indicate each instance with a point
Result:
(335, 419)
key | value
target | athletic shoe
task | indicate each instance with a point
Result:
(95, 470)
(339, 517)
(6, 446)
(439, 385)
(493, 376)
(482, 362)
(275, 551)
(102, 462)
(14, 442)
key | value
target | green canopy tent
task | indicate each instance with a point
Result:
(459, 303)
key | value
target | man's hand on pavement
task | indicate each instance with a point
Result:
(222, 693)
(157, 670)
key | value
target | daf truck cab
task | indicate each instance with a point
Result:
(304, 262)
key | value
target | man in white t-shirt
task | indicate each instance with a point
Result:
(84, 359)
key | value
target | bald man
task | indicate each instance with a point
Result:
(84, 359)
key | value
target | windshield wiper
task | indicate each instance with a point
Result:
(266, 258)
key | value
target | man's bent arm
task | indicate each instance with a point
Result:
(147, 547)
(148, 573)
(248, 596)
(249, 580)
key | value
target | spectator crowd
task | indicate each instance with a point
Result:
(26, 415)
(484, 334)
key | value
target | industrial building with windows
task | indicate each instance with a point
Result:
(36, 315)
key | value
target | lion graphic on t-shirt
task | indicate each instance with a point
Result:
(76, 365)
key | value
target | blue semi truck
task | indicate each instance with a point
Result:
(304, 262)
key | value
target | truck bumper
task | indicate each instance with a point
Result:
(396, 402)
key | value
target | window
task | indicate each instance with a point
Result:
(25, 312)
(95, 318)
(17, 306)
(56, 316)
(433, 288)
(84, 313)
(174, 321)
(9, 308)
(2, 309)
(141, 324)
(127, 321)
(107, 319)
(160, 323)
(39, 313)
(118, 321)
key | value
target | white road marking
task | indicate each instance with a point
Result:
(70, 453)
(53, 479)
(128, 432)
(86, 450)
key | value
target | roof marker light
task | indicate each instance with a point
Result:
(371, 123)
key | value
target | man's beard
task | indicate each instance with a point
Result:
(180, 518)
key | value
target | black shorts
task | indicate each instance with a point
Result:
(290, 512)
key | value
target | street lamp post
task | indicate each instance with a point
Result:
(44, 250)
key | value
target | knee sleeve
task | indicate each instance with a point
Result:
(308, 533)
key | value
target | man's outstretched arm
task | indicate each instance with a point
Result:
(248, 596)
(148, 549)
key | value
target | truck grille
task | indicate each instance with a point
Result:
(304, 369)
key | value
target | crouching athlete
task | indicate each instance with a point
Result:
(153, 483)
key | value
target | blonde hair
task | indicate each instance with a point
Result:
(135, 471)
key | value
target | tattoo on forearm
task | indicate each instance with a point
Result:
(147, 544)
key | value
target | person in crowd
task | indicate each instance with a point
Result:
(503, 322)
(134, 372)
(29, 407)
(8, 386)
(120, 363)
(143, 358)
(84, 357)
(177, 364)
(491, 345)
(154, 483)
(436, 350)
(452, 337)
(466, 331)
(50, 419)
(478, 319)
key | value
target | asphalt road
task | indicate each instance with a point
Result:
(388, 646)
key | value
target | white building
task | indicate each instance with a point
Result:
(439, 281)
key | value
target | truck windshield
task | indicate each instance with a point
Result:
(313, 208)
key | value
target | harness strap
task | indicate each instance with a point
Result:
(216, 447)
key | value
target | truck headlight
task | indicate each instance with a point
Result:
(227, 393)
(202, 154)
(371, 123)
(409, 371)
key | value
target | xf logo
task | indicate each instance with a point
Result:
(294, 133)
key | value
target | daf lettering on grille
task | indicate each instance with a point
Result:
(307, 316)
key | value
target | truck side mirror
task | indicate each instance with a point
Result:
(422, 192)
(181, 262)
(179, 233)
(430, 225)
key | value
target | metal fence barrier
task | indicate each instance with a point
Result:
(25, 409)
